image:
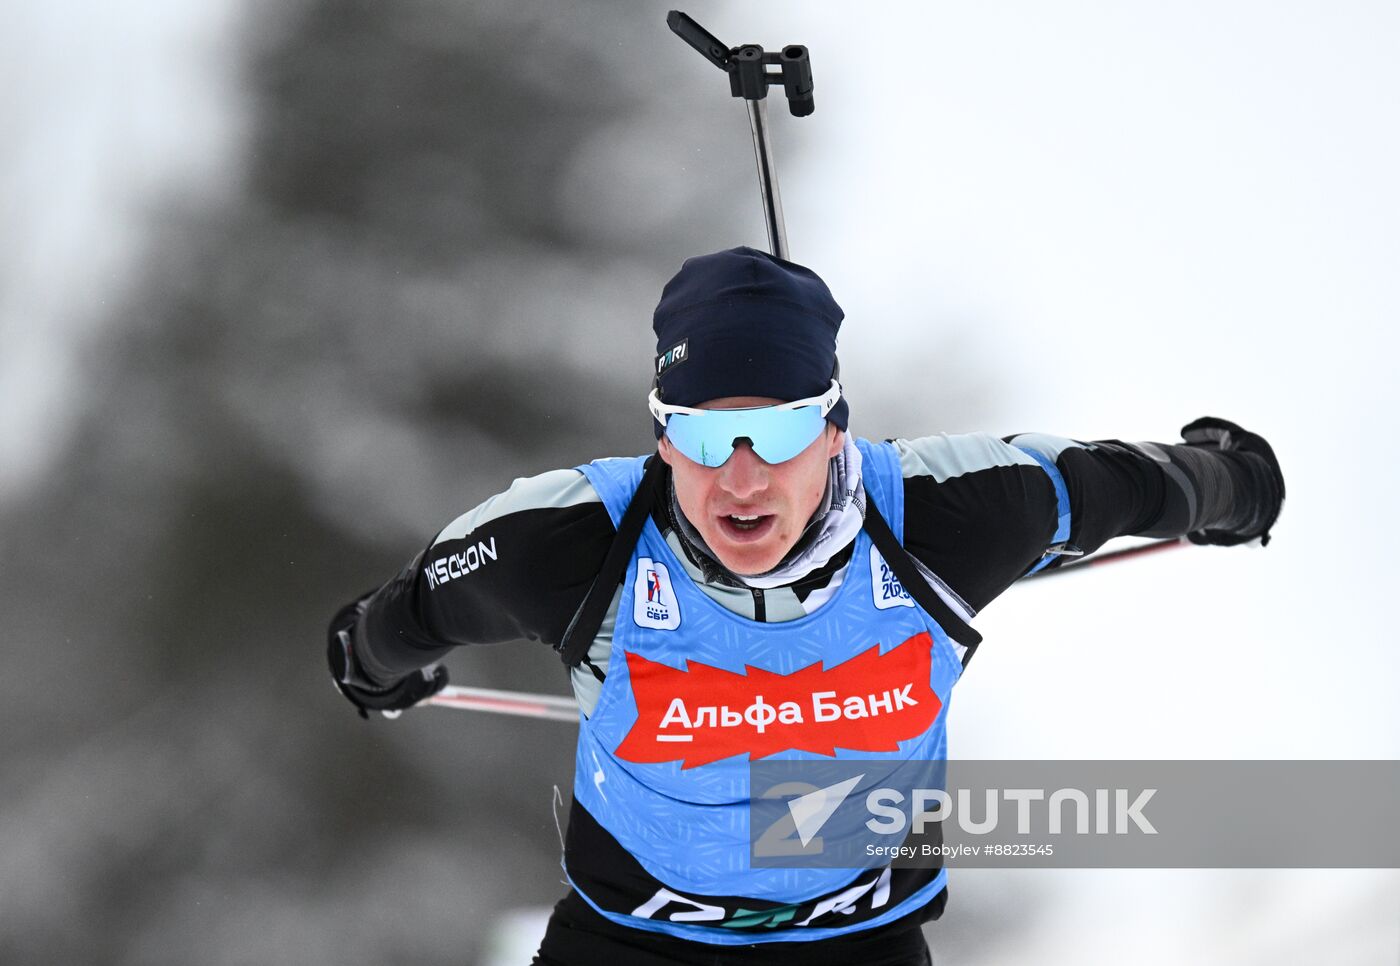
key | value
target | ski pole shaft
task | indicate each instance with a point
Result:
(768, 178)
(1113, 556)
(752, 70)
(551, 707)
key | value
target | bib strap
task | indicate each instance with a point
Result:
(579, 635)
(913, 581)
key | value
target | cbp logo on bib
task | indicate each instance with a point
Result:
(653, 600)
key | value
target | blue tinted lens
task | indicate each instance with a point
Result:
(777, 435)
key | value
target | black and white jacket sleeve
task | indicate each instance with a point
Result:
(981, 512)
(515, 567)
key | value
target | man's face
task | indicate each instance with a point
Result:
(751, 512)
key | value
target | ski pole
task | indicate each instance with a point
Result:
(1113, 556)
(521, 704)
(749, 78)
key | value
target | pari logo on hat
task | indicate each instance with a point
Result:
(673, 356)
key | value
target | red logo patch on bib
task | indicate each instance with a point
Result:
(702, 714)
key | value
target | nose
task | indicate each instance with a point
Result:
(743, 474)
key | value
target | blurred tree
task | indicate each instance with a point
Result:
(438, 273)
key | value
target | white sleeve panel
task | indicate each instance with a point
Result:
(944, 457)
(1048, 446)
(552, 490)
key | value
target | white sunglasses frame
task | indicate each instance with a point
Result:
(827, 401)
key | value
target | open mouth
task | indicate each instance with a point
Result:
(743, 527)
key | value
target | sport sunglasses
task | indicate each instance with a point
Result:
(777, 433)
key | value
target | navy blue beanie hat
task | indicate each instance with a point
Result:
(742, 322)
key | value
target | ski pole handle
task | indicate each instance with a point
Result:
(710, 47)
(752, 70)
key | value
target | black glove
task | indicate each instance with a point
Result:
(351, 681)
(1258, 471)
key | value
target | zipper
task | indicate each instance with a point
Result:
(760, 608)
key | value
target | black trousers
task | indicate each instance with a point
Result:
(578, 936)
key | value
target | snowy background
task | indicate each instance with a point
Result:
(285, 287)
